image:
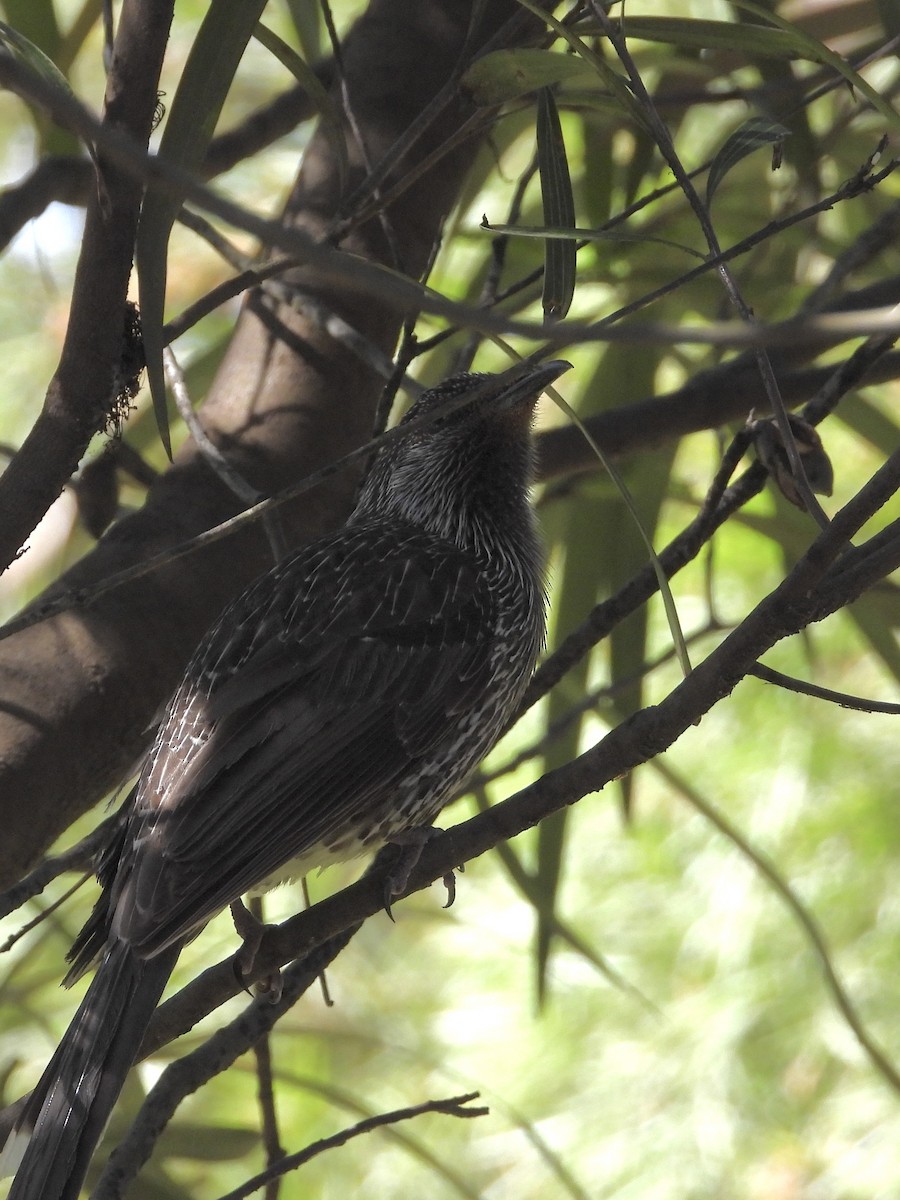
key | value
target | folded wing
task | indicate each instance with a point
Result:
(360, 670)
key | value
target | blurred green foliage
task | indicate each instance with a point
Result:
(724, 1069)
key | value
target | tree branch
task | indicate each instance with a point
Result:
(455, 1106)
(82, 394)
(217, 1053)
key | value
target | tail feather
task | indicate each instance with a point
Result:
(67, 1112)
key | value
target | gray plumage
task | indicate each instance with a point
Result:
(340, 701)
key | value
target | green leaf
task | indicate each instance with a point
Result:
(600, 552)
(576, 584)
(196, 105)
(505, 74)
(32, 56)
(34, 22)
(306, 22)
(752, 135)
(599, 171)
(649, 481)
(559, 209)
(39, 21)
(309, 81)
(605, 73)
(747, 40)
(577, 234)
(810, 47)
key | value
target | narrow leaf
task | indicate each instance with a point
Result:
(205, 81)
(753, 134)
(665, 591)
(309, 81)
(559, 209)
(749, 40)
(610, 78)
(32, 56)
(54, 139)
(505, 74)
(577, 234)
(810, 47)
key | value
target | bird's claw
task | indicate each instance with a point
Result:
(389, 897)
(251, 932)
(411, 843)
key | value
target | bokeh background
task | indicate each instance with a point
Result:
(675, 1038)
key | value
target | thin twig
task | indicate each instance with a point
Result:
(43, 914)
(874, 240)
(323, 978)
(77, 858)
(406, 352)
(453, 1107)
(205, 230)
(847, 375)
(353, 124)
(844, 699)
(355, 205)
(193, 1070)
(331, 922)
(216, 460)
(861, 182)
(605, 616)
(589, 702)
(784, 612)
(227, 290)
(262, 1053)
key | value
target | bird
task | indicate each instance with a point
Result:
(336, 705)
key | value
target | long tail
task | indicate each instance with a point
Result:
(67, 1112)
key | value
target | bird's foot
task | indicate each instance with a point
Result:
(412, 842)
(251, 931)
(449, 882)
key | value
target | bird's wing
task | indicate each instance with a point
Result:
(351, 676)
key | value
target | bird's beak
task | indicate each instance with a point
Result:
(518, 388)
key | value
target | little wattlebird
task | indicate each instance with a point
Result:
(336, 705)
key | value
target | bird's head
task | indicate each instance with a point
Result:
(467, 453)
